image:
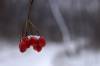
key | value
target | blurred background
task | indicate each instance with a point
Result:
(71, 28)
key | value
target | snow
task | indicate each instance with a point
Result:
(48, 57)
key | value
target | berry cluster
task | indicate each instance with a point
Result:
(28, 38)
(37, 42)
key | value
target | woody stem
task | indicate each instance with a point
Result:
(30, 8)
(29, 17)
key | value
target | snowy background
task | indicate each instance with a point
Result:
(51, 55)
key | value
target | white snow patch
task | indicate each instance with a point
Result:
(12, 57)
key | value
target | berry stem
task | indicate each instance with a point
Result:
(30, 9)
(29, 25)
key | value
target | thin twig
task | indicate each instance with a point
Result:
(30, 8)
(29, 19)
(33, 26)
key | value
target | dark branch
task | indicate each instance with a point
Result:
(29, 19)
(30, 8)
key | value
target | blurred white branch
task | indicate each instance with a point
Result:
(60, 20)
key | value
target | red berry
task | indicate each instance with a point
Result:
(22, 48)
(24, 44)
(42, 41)
(33, 41)
(37, 48)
